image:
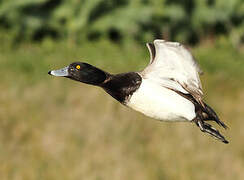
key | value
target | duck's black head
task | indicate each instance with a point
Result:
(82, 72)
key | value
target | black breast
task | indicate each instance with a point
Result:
(121, 86)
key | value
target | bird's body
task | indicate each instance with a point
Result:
(161, 103)
(168, 89)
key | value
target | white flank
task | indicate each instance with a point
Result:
(161, 103)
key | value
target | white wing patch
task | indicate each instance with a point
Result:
(173, 66)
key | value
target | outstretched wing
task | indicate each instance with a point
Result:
(173, 66)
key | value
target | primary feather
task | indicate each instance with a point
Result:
(173, 66)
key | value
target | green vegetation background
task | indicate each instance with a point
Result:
(54, 128)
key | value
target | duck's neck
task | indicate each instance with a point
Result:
(122, 86)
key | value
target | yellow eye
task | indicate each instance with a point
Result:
(78, 67)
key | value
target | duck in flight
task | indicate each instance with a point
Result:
(168, 89)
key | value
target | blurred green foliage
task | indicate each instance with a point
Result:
(78, 20)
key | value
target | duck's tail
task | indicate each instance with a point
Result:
(205, 113)
(212, 116)
(208, 114)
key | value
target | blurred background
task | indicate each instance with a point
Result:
(54, 128)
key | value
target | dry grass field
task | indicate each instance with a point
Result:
(54, 128)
